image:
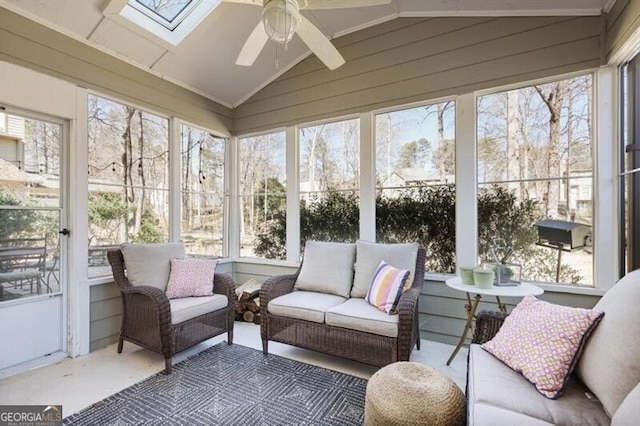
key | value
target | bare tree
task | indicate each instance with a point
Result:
(553, 97)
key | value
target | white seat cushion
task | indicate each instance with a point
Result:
(369, 256)
(497, 395)
(150, 264)
(304, 305)
(327, 268)
(190, 307)
(357, 314)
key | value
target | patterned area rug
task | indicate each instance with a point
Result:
(234, 385)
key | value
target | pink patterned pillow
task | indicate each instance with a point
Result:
(191, 277)
(543, 341)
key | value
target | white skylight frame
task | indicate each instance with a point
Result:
(146, 23)
(156, 16)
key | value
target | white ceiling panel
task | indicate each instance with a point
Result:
(125, 42)
(78, 17)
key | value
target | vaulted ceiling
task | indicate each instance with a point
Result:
(204, 61)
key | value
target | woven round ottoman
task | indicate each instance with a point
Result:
(407, 393)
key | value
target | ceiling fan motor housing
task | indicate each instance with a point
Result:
(280, 18)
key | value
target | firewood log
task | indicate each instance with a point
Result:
(248, 316)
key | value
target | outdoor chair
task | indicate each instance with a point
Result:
(168, 326)
(22, 262)
(322, 306)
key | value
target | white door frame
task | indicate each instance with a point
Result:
(63, 241)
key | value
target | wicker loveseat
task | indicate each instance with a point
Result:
(164, 326)
(604, 388)
(343, 324)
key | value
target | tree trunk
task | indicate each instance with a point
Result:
(129, 196)
(513, 151)
(553, 101)
(186, 183)
(140, 205)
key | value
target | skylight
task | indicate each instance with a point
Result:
(168, 13)
(170, 21)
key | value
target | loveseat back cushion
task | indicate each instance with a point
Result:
(358, 314)
(304, 305)
(494, 389)
(150, 264)
(629, 411)
(368, 258)
(610, 361)
(188, 308)
(327, 268)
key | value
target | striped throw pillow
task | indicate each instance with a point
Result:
(387, 286)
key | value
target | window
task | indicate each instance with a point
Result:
(263, 196)
(329, 182)
(128, 179)
(415, 191)
(169, 21)
(30, 207)
(168, 13)
(630, 166)
(535, 162)
(202, 192)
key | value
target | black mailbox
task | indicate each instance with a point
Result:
(559, 233)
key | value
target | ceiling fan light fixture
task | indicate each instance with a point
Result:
(280, 19)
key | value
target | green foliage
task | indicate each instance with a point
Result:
(502, 216)
(426, 216)
(105, 207)
(149, 233)
(414, 154)
(14, 223)
(270, 198)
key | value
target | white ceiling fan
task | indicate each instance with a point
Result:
(281, 19)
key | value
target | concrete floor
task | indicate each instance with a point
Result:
(79, 382)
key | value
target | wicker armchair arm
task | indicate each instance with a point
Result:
(275, 287)
(144, 308)
(487, 325)
(153, 295)
(407, 322)
(224, 284)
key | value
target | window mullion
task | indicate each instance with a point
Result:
(293, 195)
(605, 218)
(466, 178)
(174, 178)
(367, 178)
(233, 230)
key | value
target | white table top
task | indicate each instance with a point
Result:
(521, 290)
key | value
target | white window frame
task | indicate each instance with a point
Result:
(605, 184)
(85, 179)
(605, 180)
(122, 13)
(175, 181)
(293, 229)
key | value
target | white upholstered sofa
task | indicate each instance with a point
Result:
(603, 390)
(322, 306)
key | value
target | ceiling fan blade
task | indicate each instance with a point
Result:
(339, 4)
(319, 44)
(253, 46)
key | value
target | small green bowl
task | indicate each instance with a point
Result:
(467, 276)
(483, 278)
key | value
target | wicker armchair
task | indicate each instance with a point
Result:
(357, 345)
(146, 316)
(488, 324)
